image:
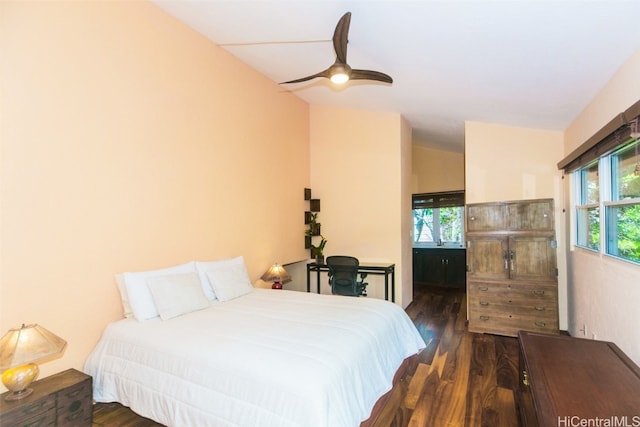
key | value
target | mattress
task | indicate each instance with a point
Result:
(268, 358)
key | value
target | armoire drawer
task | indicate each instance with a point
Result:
(514, 307)
(503, 324)
(515, 290)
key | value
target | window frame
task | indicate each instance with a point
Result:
(613, 201)
(437, 201)
(608, 225)
(583, 206)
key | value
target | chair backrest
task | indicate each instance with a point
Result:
(343, 275)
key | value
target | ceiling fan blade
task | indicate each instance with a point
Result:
(340, 66)
(324, 73)
(370, 75)
(341, 38)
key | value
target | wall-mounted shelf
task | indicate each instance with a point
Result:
(310, 220)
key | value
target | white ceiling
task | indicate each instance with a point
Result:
(526, 63)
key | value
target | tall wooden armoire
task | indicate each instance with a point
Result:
(512, 275)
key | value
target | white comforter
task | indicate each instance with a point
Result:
(269, 358)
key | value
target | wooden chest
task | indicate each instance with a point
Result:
(567, 381)
(64, 399)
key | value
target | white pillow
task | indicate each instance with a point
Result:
(177, 294)
(205, 266)
(140, 297)
(126, 307)
(229, 281)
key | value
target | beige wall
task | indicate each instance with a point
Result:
(510, 163)
(356, 161)
(436, 170)
(406, 214)
(603, 292)
(622, 91)
(130, 142)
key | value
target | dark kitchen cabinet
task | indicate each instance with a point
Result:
(443, 267)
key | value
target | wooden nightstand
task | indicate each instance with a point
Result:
(63, 399)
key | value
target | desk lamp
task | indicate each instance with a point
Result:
(20, 349)
(276, 274)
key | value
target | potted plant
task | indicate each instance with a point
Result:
(318, 251)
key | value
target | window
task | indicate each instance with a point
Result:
(438, 219)
(623, 211)
(606, 171)
(610, 185)
(588, 207)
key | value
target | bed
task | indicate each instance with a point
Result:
(261, 358)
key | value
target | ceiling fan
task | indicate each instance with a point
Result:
(340, 72)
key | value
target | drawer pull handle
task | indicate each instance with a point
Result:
(540, 324)
(483, 288)
(525, 378)
(485, 303)
(484, 318)
(538, 293)
(538, 308)
(77, 404)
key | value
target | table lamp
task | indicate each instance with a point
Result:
(276, 274)
(20, 349)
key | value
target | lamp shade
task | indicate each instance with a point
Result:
(28, 344)
(276, 274)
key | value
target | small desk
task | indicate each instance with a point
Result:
(376, 268)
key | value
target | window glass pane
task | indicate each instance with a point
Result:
(623, 231)
(451, 222)
(589, 227)
(423, 226)
(625, 173)
(590, 184)
(438, 226)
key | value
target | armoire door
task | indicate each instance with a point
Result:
(487, 257)
(532, 258)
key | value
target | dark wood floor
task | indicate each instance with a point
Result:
(462, 379)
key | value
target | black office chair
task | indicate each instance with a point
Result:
(343, 276)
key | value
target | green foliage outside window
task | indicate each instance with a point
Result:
(624, 219)
(423, 225)
(438, 225)
(626, 232)
(622, 230)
